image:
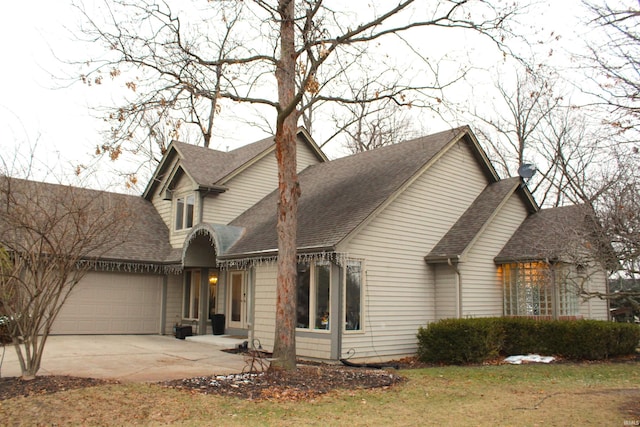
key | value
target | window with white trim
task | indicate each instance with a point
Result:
(314, 295)
(185, 211)
(533, 288)
(353, 295)
(191, 294)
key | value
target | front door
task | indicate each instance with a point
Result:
(237, 301)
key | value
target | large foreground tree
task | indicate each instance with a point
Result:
(49, 235)
(283, 56)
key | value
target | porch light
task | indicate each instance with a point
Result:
(213, 279)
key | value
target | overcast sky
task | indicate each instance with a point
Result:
(36, 108)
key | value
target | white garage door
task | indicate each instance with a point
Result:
(112, 303)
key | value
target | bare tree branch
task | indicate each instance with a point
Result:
(45, 234)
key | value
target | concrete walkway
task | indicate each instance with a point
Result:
(145, 358)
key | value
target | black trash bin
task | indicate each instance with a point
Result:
(217, 324)
(183, 331)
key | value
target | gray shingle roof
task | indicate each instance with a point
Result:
(148, 238)
(145, 238)
(465, 230)
(210, 167)
(550, 234)
(340, 195)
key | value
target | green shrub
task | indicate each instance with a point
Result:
(588, 339)
(459, 341)
(522, 336)
(625, 338)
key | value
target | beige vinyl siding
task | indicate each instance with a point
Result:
(164, 207)
(174, 302)
(399, 285)
(265, 317)
(244, 190)
(446, 292)
(250, 186)
(265, 304)
(305, 156)
(595, 308)
(317, 348)
(482, 294)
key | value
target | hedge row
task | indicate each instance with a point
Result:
(460, 341)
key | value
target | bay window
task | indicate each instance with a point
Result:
(353, 295)
(314, 295)
(538, 289)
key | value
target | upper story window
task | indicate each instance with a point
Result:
(184, 211)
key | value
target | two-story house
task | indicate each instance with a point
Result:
(388, 241)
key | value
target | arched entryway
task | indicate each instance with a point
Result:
(208, 292)
(201, 279)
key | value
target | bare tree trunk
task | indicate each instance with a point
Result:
(30, 354)
(284, 350)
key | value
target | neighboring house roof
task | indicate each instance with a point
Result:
(554, 234)
(339, 196)
(211, 169)
(143, 240)
(459, 238)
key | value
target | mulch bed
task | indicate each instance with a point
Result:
(306, 382)
(14, 387)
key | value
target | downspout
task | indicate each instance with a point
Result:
(200, 208)
(455, 268)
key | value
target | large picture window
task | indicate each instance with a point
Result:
(353, 295)
(314, 295)
(184, 212)
(538, 289)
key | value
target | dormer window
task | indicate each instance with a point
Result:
(184, 212)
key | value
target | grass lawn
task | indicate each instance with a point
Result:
(598, 394)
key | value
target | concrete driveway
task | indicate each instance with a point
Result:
(145, 358)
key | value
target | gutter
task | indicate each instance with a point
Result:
(208, 189)
(273, 253)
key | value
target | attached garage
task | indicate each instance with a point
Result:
(112, 303)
